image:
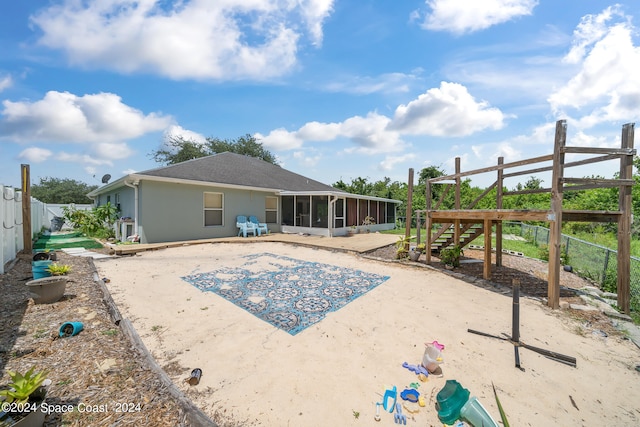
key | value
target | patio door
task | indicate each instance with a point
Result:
(303, 211)
(338, 213)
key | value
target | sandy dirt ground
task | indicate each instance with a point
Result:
(335, 371)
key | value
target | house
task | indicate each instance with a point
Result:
(200, 199)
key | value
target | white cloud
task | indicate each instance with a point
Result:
(606, 87)
(200, 39)
(35, 155)
(488, 154)
(280, 139)
(306, 160)
(369, 133)
(581, 139)
(112, 150)
(175, 131)
(372, 134)
(446, 111)
(83, 159)
(390, 162)
(5, 82)
(464, 16)
(384, 83)
(316, 131)
(449, 110)
(590, 30)
(65, 117)
(314, 13)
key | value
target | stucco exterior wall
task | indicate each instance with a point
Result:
(173, 212)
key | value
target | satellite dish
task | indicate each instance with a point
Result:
(106, 178)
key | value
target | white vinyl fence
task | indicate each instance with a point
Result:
(11, 238)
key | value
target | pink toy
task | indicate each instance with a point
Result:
(436, 344)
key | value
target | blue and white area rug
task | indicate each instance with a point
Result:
(288, 293)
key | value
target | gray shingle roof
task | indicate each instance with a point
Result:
(238, 169)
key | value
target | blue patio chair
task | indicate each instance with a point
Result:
(245, 226)
(260, 226)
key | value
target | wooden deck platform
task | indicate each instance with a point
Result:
(358, 243)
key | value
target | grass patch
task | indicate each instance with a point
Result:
(62, 241)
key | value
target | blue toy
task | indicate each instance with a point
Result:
(389, 399)
(418, 369)
(399, 417)
(410, 394)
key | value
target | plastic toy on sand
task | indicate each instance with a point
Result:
(389, 399)
(432, 357)
(416, 368)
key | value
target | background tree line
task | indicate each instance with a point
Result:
(178, 149)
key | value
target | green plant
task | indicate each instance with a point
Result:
(451, 255)
(503, 415)
(22, 386)
(564, 256)
(95, 222)
(402, 246)
(40, 333)
(422, 247)
(58, 270)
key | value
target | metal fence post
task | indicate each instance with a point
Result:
(606, 265)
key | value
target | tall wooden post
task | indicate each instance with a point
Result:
(624, 222)
(26, 208)
(407, 227)
(555, 216)
(499, 186)
(456, 222)
(486, 271)
(427, 246)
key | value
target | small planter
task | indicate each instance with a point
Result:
(47, 289)
(39, 269)
(414, 255)
(16, 394)
(34, 418)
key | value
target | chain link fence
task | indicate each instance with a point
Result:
(589, 260)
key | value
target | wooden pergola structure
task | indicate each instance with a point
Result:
(466, 224)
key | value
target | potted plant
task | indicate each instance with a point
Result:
(368, 222)
(402, 246)
(414, 254)
(450, 256)
(22, 400)
(47, 255)
(47, 289)
(56, 269)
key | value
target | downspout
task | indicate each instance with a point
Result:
(134, 185)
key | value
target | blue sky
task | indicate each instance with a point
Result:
(336, 89)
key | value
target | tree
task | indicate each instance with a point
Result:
(246, 145)
(56, 190)
(180, 150)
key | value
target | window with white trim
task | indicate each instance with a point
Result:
(213, 209)
(271, 210)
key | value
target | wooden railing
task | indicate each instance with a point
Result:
(554, 215)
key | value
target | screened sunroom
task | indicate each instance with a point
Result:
(335, 213)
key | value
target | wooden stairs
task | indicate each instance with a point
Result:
(443, 238)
